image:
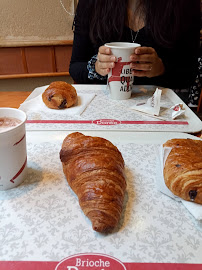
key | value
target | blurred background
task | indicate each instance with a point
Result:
(35, 42)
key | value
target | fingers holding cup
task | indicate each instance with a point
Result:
(105, 61)
(146, 63)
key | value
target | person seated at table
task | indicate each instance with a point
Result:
(168, 31)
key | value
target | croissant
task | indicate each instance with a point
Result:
(94, 169)
(59, 95)
(183, 169)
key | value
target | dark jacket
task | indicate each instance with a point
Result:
(180, 61)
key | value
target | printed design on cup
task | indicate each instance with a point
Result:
(106, 122)
(90, 261)
(20, 171)
(122, 73)
(19, 140)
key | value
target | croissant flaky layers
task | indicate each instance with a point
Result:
(183, 169)
(94, 169)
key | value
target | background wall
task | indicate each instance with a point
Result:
(35, 20)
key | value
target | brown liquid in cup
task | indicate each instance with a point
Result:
(7, 123)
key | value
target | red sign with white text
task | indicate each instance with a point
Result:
(90, 261)
(107, 122)
(44, 265)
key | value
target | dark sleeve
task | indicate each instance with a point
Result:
(181, 62)
(83, 49)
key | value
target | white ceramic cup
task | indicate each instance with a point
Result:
(13, 153)
(120, 78)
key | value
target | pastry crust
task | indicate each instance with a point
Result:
(59, 95)
(183, 169)
(94, 169)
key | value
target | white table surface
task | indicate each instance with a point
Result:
(103, 113)
(41, 220)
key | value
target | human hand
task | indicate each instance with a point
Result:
(146, 63)
(105, 61)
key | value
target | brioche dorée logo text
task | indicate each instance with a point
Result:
(107, 122)
(90, 261)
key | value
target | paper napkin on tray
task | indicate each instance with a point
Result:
(151, 106)
(194, 208)
(36, 104)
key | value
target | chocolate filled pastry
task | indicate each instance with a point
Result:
(183, 169)
(59, 95)
(94, 169)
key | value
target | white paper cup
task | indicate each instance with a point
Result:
(120, 78)
(13, 153)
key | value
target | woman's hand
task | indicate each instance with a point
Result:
(105, 61)
(146, 63)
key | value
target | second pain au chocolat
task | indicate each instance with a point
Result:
(59, 95)
(94, 169)
(183, 169)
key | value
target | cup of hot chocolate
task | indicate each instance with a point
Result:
(13, 152)
(120, 78)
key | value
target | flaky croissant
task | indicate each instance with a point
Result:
(59, 95)
(94, 169)
(183, 169)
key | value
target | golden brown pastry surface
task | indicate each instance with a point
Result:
(183, 169)
(94, 169)
(59, 95)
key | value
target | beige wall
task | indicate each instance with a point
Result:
(35, 20)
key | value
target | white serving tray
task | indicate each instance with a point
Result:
(42, 221)
(103, 113)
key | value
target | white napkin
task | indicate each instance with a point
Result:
(36, 104)
(194, 208)
(151, 106)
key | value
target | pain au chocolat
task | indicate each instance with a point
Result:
(183, 169)
(94, 169)
(59, 95)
